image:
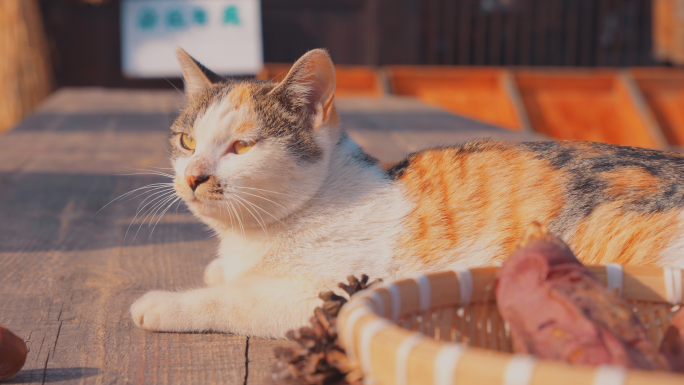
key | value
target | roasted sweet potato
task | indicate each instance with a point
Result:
(557, 309)
(672, 346)
(12, 354)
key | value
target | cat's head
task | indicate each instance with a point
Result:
(249, 152)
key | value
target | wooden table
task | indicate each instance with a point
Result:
(67, 279)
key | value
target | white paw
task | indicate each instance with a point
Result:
(156, 311)
(213, 274)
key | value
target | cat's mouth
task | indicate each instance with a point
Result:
(205, 193)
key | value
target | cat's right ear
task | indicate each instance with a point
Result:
(197, 77)
(310, 84)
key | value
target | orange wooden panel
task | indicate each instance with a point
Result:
(592, 105)
(351, 80)
(663, 89)
(478, 93)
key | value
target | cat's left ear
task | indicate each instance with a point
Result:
(310, 84)
(197, 77)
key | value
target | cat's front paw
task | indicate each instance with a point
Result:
(156, 311)
(213, 274)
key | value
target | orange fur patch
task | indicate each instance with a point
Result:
(610, 234)
(327, 108)
(483, 198)
(240, 95)
(634, 182)
(244, 127)
(333, 117)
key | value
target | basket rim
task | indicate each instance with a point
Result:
(389, 352)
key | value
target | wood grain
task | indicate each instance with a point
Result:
(262, 358)
(587, 105)
(663, 89)
(478, 93)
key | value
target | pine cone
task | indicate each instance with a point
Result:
(320, 360)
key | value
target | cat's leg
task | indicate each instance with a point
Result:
(254, 306)
(213, 273)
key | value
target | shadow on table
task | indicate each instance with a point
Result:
(52, 375)
(62, 211)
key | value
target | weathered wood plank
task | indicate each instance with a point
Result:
(261, 359)
(67, 280)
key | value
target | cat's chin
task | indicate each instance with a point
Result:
(209, 210)
(201, 208)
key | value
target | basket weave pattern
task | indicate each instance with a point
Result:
(462, 338)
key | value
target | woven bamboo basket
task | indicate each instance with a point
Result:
(444, 329)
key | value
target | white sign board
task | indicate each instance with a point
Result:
(224, 35)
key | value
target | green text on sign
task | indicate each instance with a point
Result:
(147, 18)
(230, 15)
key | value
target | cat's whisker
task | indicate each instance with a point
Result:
(230, 214)
(261, 223)
(237, 216)
(158, 207)
(280, 74)
(239, 219)
(178, 205)
(237, 202)
(151, 171)
(254, 206)
(158, 189)
(162, 215)
(138, 213)
(260, 208)
(149, 186)
(160, 203)
(162, 168)
(162, 192)
(227, 213)
(149, 168)
(176, 88)
(148, 172)
(146, 211)
(260, 189)
(275, 203)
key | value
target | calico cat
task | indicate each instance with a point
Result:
(298, 206)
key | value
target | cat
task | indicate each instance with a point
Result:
(298, 206)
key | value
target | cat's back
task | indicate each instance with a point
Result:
(610, 203)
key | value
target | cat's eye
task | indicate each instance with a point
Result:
(242, 146)
(188, 142)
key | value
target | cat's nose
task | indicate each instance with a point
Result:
(196, 180)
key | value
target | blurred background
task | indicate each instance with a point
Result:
(603, 70)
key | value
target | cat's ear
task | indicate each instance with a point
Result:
(197, 77)
(310, 83)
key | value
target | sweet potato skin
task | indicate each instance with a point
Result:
(558, 310)
(13, 353)
(672, 346)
